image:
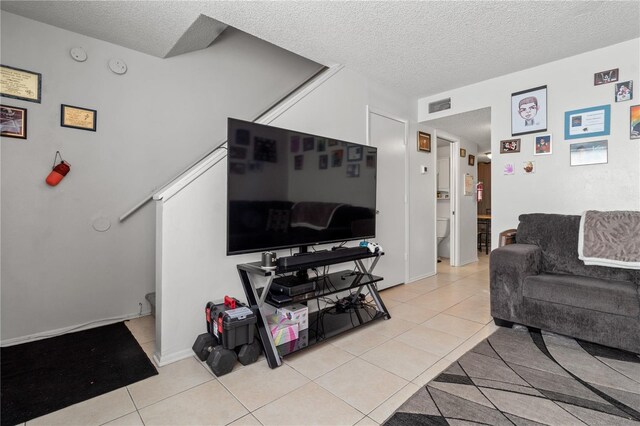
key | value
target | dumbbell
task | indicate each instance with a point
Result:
(221, 360)
(203, 346)
(249, 353)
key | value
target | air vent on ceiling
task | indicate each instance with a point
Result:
(441, 105)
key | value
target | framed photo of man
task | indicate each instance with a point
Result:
(529, 111)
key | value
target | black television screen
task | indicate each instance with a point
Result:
(288, 189)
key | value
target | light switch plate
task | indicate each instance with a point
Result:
(423, 169)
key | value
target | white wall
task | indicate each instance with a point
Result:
(336, 109)
(422, 203)
(556, 187)
(153, 121)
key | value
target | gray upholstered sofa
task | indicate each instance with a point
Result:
(540, 282)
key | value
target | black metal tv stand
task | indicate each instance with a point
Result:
(324, 323)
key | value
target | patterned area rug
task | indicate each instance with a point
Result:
(522, 377)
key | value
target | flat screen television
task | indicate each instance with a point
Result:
(292, 189)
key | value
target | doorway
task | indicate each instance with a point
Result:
(445, 200)
(471, 133)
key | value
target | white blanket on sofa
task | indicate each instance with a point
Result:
(610, 238)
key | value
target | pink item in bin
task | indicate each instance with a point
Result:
(282, 329)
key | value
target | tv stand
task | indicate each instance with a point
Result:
(352, 311)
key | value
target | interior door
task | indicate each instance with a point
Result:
(388, 135)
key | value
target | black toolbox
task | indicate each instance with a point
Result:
(233, 323)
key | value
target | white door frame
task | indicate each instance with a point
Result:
(454, 198)
(375, 110)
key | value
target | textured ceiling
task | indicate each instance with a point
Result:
(159, 28)
(419, 48)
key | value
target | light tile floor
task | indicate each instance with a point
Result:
(359, 378)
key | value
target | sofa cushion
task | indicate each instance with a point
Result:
(557, 236)
(614, 297)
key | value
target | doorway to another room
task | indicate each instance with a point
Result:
(468, 233)
(444, 196)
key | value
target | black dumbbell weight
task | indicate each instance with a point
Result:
(221, 360)
(203, 346)
(249, 353)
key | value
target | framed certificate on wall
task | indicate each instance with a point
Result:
(78, 118)
(20, 84)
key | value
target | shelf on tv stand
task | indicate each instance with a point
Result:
(329, 284)
(324, 323)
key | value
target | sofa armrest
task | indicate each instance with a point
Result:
(509, 266)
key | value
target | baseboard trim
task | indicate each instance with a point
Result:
(421, 277)
(162, 360)
(79, 327)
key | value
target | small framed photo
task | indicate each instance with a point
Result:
(529, 111)
(624, 91)
(20, 84)
(336, 157)
(243, 137)
(509, 146)
(322, 144)
(587, 122)
(634, 120)
(353, 170)
(308, 144)
(78, 118)
(587, 153)
(472, 160)
(323, 161)
(298, 162)
(508, 169)
(529, 167)
(463, 152)
(238, 152)
(13, 122)
(295, 144)
(604, 77)
(371, 160)
(354, 153)
(424, 142)
(542, 145)
(265, 150)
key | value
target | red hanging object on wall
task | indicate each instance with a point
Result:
(58, 172)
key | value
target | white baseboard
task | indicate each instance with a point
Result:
(466, 262)
(72, 328)
(421, 277)
(162, 360)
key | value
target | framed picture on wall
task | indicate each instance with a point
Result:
(529, 111)
(634, 120)
(463, 152)
(604, 77)
(472, 160)
(587, 122)
(508, 146)
(20, 84)
(424, 142)
(354, 153)
(13, 122)
(624, 91)
(542, 145)
(587, 153)
(78, 118)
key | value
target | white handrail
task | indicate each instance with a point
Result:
(208, 160)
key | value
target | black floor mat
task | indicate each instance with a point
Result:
(44, 376)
